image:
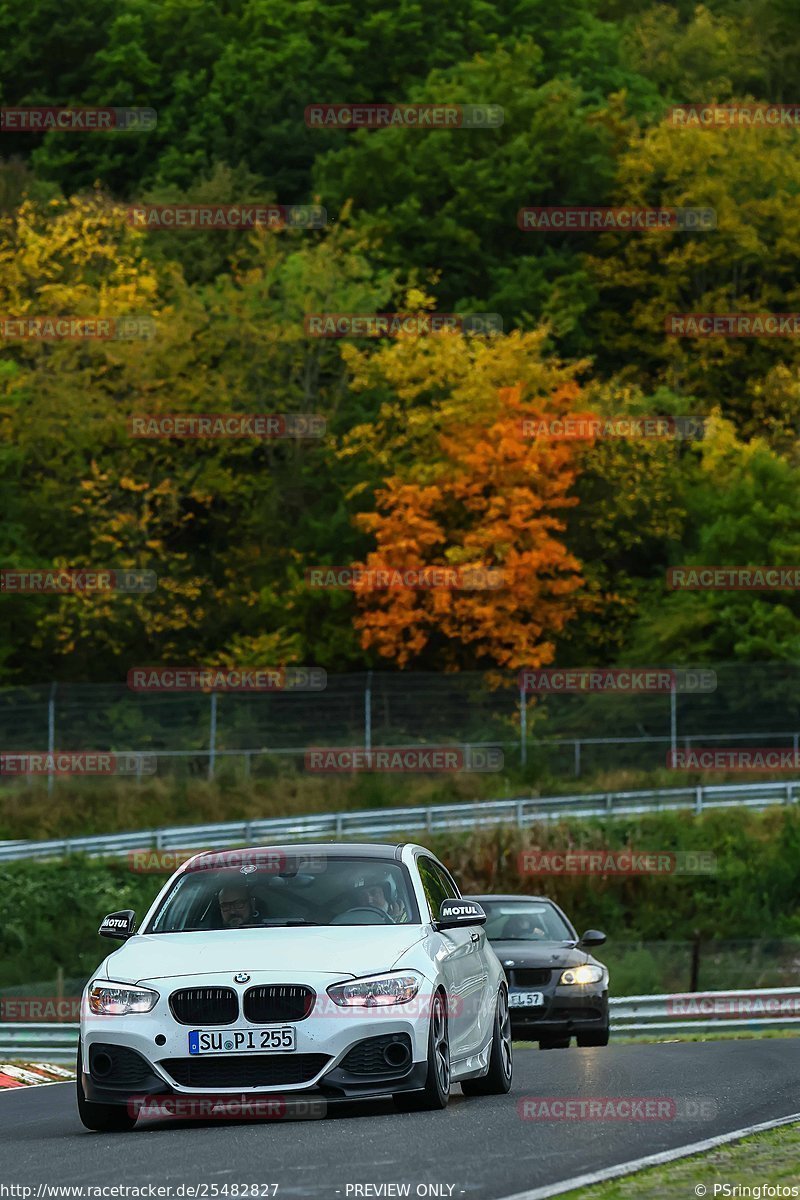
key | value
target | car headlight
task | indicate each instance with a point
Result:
(118, 999)
(378, 989)
(584, 974)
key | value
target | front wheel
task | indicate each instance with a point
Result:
(104, 1118)
(436, 1092)
(497, 1080)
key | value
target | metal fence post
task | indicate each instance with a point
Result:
(523, 728)
(577, 758)
(673, 720)
(51, 730)
(368, 713)
(212, 736)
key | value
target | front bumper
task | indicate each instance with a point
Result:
(567, 1009)
(332, 1087)
(150, 1052)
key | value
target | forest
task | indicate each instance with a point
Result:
(415, 450)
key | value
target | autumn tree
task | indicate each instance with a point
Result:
(466, 488)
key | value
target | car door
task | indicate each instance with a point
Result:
(463, 963)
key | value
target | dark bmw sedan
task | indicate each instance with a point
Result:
(556, 990)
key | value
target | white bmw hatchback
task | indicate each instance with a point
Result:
(319, 971)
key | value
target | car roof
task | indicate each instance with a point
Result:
(381, 850)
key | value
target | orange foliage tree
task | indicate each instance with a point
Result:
(473, 492)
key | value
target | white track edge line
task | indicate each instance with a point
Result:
(651, 1160)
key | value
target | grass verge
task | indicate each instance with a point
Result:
(761, 1162)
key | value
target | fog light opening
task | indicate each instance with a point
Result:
(397, 1054)
(101, 1064)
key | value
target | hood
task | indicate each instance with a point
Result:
(540, 954)
(336, 950)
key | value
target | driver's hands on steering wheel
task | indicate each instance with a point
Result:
(397, 911)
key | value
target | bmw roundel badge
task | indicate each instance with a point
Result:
(241, 977)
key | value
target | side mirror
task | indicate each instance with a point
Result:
(454, 913)
(592, 937)
(118, 925)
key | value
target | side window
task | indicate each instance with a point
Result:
(436, 885)
(453, 893)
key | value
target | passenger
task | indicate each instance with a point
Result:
(375, 892)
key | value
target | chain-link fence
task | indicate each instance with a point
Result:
(571, 733)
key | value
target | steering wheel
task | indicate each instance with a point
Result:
(361, 908)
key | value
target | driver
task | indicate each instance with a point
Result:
(523, 925)
(237, 906)
(374, 891)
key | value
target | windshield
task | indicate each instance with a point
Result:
(320, 891)
(525, 921)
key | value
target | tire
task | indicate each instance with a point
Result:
(436, 1092)
(104, 1118)
(554, 1043)
(595, 1038)
(497, 1080)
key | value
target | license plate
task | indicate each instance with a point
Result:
(525, 999)
(243, 1041)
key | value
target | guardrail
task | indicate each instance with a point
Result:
(630, 1016)
(39, 1042)
(777, 1008)
(375, 824)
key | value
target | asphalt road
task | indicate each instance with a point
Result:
(478, 1147)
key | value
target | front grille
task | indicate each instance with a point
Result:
(244, 1070)
(278, 1002)
(117, 1066)
(529, 976)
(367, 1057)
(205, 1006)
